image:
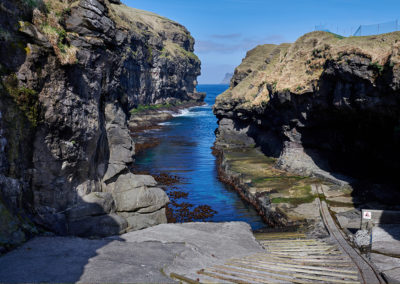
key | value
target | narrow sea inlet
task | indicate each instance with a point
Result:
(184, 150)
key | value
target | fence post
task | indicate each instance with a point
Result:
(397, 25)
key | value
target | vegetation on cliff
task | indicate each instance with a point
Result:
(296, 68)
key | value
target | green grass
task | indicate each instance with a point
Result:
(302, 195)
(264, 179)
(26, 99)
(142, 108)
(293, 200)
(338, 36)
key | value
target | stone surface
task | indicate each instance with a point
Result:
(389, 266)
(138, 221)
(362, 238)
(141, 199)
(386, 239)
(145, 256)
(93, 204)
(349, 219)
(102, 225)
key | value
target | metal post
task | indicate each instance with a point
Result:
(378, 28)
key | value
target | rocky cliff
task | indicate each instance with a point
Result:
(325, 106)
(70, 72)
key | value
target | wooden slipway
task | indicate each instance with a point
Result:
(294, 258)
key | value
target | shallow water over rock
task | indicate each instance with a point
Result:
(184, 150)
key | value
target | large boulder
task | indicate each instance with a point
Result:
(132, 194)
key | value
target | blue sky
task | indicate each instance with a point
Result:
(225, 29)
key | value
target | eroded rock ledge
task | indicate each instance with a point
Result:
(70, 72)
(326, 110)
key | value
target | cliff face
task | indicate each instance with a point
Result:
(70, 73)
(324, 106)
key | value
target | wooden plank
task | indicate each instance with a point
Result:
(183, 278)
(301, 270)
(289, 241)
(303, 276)
(292, 242)
(310, 267)
(263, 275)
(239, 274)
(303, 257)
(298, 254)
(313, 262)
(302, 249)
(296, 245)
(213, 275)
(283, 235)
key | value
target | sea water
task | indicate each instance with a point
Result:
(185, 151)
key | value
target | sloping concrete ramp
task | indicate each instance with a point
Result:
(288, 258)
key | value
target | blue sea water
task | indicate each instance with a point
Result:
(185, 151)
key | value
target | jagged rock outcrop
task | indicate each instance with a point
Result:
(324, 106)
(70, 72)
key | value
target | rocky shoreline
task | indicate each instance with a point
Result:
(148, 118)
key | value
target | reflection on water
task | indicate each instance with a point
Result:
(185, 151)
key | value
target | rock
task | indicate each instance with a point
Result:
(388, 266)
(93, 204)
(130, 181)
(31, 30)
(70, 136)
(138, 221)
(320, 113)
(362, 239)
(98, 226)
(349, 219)
(386, 239)
(145, 256)
(11, 233)
(140, 199)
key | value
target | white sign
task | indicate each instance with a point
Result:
(367, 215)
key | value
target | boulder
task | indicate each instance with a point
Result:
(138, 221)
(141, 199)
(98, 226)
(362, 239)
(129, 181)
(93, 204)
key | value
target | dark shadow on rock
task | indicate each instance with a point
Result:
(49, 260)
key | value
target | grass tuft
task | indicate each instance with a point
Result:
(143, 108)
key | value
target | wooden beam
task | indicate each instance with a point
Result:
(301, 270)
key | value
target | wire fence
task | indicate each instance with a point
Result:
(362, 30)
(382, 28)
